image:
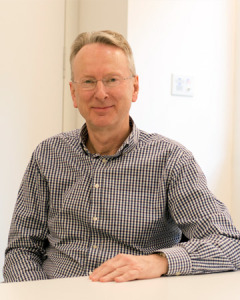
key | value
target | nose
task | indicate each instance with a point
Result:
(100, 91)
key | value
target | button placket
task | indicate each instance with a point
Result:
(98, 183)
(104, 160)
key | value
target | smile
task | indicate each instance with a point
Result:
(102, 108)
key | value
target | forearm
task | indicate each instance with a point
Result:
(214, 242)
(207, 255)
(28, 233)
(22, 265)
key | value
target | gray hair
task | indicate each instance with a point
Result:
(106, 37)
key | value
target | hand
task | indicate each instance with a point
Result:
(124, 267)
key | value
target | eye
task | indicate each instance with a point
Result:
(112, 79)
(88, 81)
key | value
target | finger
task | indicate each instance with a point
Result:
(102, 270)
(112, 276)
(127, 276)
(106, 268)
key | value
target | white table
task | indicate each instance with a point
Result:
(205, 287)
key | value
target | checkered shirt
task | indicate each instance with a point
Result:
(75, 210)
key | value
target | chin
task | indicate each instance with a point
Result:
(101, 124)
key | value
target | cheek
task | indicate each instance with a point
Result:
(82, 99)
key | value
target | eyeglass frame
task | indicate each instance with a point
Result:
(104, 81)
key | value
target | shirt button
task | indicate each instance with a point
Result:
(95, 219)
(178, 273)
(95, 246)
(96, 185)
(104, 160)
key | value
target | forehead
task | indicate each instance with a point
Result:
(99, 56)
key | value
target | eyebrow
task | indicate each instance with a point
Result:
(108, 74)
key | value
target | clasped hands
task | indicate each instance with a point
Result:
(125, 267)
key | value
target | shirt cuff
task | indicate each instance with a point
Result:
(179, 262)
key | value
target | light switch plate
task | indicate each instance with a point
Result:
(182, 85)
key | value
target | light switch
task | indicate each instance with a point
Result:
(182, 85)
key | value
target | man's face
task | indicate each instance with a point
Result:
(103, 107)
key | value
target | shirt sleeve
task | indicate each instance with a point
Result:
(214, 242)
(28, 232)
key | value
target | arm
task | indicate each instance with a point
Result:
(27, 239)
(214, 242)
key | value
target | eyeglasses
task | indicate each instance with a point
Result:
(110, 82)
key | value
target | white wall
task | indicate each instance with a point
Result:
(70, 115)
(197, 38)
(236, 160)
(31, 77)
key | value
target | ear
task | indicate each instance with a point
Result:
(73, 94)
(135, 89)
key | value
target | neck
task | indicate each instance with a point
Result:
(105, 142)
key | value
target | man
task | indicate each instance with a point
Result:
(111, 201)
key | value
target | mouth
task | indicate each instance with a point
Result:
(99, 108)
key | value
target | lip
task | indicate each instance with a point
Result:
(99, 108)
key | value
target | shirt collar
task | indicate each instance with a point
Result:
(127, 146)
